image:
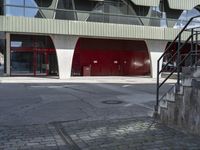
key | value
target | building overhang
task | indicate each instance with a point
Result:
(13, 24)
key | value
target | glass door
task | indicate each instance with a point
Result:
(41, 62)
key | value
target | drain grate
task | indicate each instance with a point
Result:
(112, 102)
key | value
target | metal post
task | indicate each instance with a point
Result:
(157, 90)
(192, 48)
(178, 61)
(196, 49)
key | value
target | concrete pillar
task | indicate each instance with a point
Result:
(64, 46)
(8, 54)
(156, 49)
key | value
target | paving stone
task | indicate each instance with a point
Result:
(31, 137)
(129, 134)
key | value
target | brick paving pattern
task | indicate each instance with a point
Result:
(127, 134)
(32, 137)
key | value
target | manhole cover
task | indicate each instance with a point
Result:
(112, 102)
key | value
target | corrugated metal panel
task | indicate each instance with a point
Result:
(32, 25)
(115, 30)
(183, 4)
(171, 33)
(84, 29)
(146, 2)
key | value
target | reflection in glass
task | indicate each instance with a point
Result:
(186, 16)
(41, 63)
(30, 3)
(43, 3)
(14, 11)
(1, 8)
(65, 4)
(46, 13)
(15, 2)
(86, 5)
(68, 15)
(15, 44)
(32, 12)
(22, 63)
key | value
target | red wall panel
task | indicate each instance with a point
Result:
(111, 57)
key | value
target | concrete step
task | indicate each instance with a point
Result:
(166, 74)
(170, 97)
(163, 104)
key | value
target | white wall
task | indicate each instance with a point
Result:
(64, 46)
(156, 49)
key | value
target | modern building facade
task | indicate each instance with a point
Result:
(88, 37)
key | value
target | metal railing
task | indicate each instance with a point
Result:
(192, 55)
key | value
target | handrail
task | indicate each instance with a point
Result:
(183, 29)
(175, 55)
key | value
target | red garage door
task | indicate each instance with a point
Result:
(111, 57)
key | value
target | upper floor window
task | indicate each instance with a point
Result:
(42, 3)
(65, 4)
(14, 2)
(30, 3)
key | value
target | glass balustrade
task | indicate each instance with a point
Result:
(111, 12)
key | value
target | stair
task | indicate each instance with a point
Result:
(182, 109)
(180, 106)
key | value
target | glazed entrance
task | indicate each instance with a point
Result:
(33, 55)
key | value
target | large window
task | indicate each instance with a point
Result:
(33, 55)
(186, 16)
(30, 3)
(15, 2)
(1, 8)
(27, 41)
(14, 11)
(108, 11)
(29, 8)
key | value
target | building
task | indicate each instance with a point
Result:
(88, 37)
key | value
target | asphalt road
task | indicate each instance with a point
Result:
(104, 99)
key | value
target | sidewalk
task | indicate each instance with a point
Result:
(102, 79)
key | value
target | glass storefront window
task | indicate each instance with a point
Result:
(22, 62)
(33, 55)
(14, 11)
(16, 44)
(15, 2)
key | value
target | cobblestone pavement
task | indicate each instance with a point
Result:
(32, 137)
(131, 134)
(126, 134)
